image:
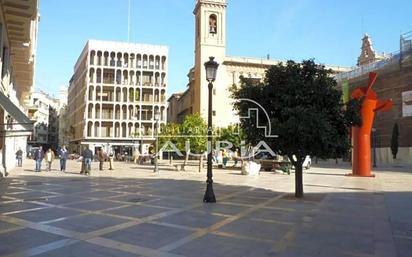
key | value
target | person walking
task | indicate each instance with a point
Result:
(64, 155)
(19, 157)
(38, 158)
(111, 161)
(225, 158)
(235, 157)
(49, 158)
(101, 157)
(136, 156)
(87, 160)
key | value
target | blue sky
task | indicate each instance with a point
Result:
(329, 31)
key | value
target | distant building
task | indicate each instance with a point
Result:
(62, 117)
(18, 43)
(210, 40)
(393, 82)
(43, 110)
(114, 93)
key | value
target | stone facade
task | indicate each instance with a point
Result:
(210, 40)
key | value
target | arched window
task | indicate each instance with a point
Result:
(213, 24)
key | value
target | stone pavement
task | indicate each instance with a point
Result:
(133, 212)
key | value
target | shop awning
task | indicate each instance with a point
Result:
(20, 118)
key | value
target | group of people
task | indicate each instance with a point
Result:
(39, 155)
(223, 156)
(101, 156)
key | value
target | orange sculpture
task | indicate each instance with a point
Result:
(361, 136)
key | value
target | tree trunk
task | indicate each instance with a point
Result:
(298, 180)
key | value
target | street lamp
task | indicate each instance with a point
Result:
(211, 70)
(156, 117)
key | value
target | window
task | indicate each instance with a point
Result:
(213, 24)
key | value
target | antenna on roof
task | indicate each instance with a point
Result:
(128, 24)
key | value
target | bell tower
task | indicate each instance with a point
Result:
(210, 40)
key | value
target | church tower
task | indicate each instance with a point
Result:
(210, 40)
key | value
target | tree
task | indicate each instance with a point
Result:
(190, 136)
(233, 134)
(194, 134)
(395, 140)
(305, 111)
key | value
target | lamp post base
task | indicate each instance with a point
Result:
(209, 194)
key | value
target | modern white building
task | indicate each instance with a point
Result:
(113, 96)
(19, 21)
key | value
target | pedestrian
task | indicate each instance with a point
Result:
(235, 156)
(111, 161)
(49, 158)
(136, 155)
(225, 158)
(101, 157)
(64, 155)
(38, 158)
(87, 160)
(19, 157)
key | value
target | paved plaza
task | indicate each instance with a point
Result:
(133, 212)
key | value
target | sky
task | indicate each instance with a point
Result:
(328, 31)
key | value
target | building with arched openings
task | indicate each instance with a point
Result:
(115, 91)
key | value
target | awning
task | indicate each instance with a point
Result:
(15, 112)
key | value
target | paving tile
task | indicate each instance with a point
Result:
(256, 229)
(63, 200)
(87, 223)
(192, 219)
(134, 198)
(45, 214)
(99, 194)
(227, 209)
(277, 215)
(24, 239)
(94, 205)
(137, 211)
(87, 250)
(148, 235)
(214, 245)
(174, 203)
(404, 246)
(6, 225)
(33, 195)
(18, 206)
(245, 200)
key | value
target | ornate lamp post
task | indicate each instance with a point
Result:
(211, 70)
(156, 117)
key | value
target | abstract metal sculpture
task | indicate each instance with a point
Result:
(361, 136)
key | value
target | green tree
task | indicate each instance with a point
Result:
(305, 110)
(395, 140)
(232, 134)
(194, 135)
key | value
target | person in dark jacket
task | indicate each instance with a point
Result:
(64, 155)
(87, 160)
(19, 157)
(38, 157)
